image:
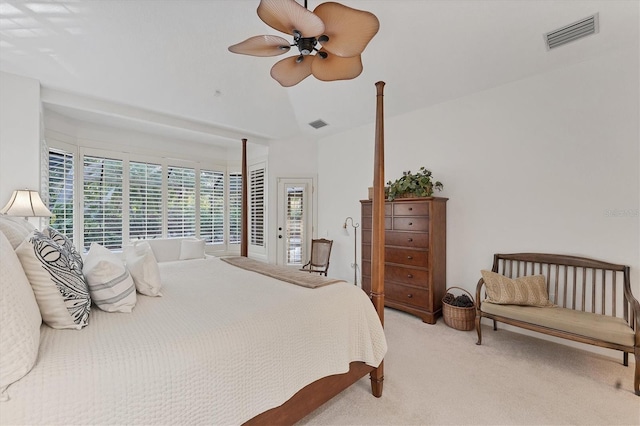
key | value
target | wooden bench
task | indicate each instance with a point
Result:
(593, 299)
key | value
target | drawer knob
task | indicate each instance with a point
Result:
(410, 240)
(410, 208)
(409, 276)
(410, 223)
(409, 257)
(409, 295)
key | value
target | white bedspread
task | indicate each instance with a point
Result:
(220, 347)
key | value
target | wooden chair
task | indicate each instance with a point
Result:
(320, 253)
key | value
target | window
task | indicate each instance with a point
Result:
(112, 198)
(102, 195)
(145, 200)
(212, 206)
(256, 177)
(235, 207)
(295, 224)
(181, 202)
(60, 186)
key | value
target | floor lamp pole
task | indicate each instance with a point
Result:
(355, 247)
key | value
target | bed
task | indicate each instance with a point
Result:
(223, 345)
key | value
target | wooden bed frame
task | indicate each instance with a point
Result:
(307, 399)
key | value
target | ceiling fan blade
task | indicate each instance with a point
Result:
(287, 15)
(349, 30)
(288, 72)
(334, 67)
(262, 45)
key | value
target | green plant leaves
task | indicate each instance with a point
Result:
(417, 184)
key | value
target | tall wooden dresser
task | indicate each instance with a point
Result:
(415, 254)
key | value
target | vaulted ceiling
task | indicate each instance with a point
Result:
(163, 65)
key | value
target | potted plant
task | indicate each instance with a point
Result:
(418, 184)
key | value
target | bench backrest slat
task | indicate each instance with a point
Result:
(573, 282)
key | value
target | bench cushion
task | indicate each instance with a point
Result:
(602, 327)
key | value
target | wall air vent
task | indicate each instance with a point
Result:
(317, 124)
(571, 32)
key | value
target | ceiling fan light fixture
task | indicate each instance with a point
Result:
(343, 33)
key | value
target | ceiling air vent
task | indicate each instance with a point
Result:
(571, 32)
(317, 124)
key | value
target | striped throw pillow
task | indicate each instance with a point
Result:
(111, 287)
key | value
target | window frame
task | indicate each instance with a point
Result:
(78, 154)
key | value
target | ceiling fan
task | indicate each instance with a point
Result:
(330, 40)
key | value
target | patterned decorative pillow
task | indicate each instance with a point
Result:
(143, 267)
(110, 285)
(528, 290)
(65, 242)
(57, 282)
(20, 320)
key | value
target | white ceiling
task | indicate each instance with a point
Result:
(166, 64)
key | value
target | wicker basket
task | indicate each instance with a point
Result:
(458, 317)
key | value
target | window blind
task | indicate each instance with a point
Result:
(61, 191)
(181, 202)
(295, 224)
(102, 194)
(235, 207)
(145, 200)
(257, 206)
(212, 206)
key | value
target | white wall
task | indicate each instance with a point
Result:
(288, 159)
(534, 165)
(19, 134)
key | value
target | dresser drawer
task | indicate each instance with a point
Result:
(418, 277)
(404, 239)
(411, 223)
(418, 297)
(410, 209)
(367, 223)
(406, 256)
(367, 209)
(399, 255)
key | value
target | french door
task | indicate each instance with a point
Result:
(294, 221)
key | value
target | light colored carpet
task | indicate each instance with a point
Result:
(436, 375)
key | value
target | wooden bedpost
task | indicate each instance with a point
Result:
(377, 238)
(244, 238)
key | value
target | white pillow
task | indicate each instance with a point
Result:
(111, 287)
(143, 267)
(20, 320)
(57, 282)
(192, 249)
(15, 229)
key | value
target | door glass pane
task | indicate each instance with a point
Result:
(294, 224)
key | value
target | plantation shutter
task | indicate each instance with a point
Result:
(181, 202)
(257, 206)
(61, 191)
(212, 206)
(235, 207)
(145, 200)
(295, 224)
(102, 192)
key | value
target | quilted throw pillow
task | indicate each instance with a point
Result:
(65, 242)
(528, 290)
(20, 320)
(57, 282)
(15, 229)
(110, 285)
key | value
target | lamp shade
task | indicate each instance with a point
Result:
(26, 203)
